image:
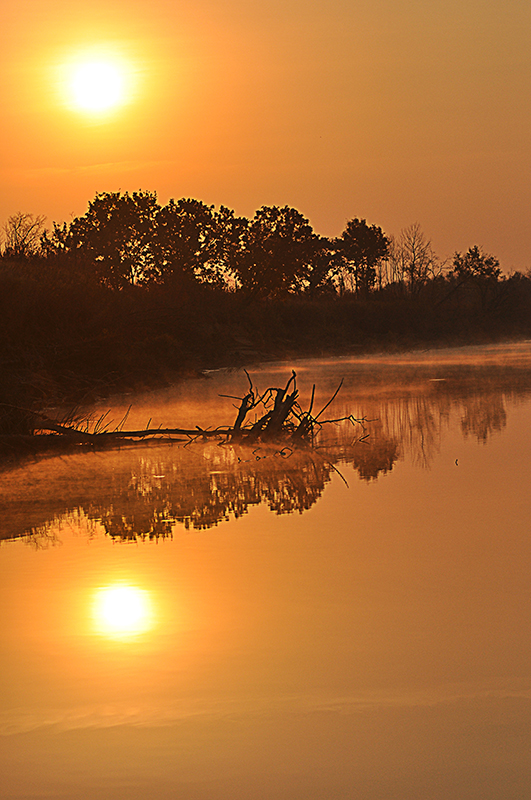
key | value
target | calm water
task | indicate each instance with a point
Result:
(207, 623)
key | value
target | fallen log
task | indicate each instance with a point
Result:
(278, 418)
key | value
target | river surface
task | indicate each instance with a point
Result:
(210, 623)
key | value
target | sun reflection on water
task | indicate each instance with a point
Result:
(122, 611)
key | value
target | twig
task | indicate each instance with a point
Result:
(331, 399)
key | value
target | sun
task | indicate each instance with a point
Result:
(99, 82)
(122, 611)
(97, 85)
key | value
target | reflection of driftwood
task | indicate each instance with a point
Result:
(278, 417)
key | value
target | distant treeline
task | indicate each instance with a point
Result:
(134, 293)
(131, 240)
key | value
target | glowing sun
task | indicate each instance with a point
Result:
(97, 86)
(121, 611)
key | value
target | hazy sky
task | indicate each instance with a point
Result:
(394, 111)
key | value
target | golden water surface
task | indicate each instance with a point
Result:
(351, 622)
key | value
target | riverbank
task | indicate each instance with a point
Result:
(69, 342)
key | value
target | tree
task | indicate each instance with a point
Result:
(22, 235)
(114, 238)
(480, 270)
(364, 247)
(412, 260)
(277, 254)
(184, 236)
(232, 235)
(327, 264)
(476, 265)
(196, 242)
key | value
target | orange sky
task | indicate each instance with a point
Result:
(397, 112)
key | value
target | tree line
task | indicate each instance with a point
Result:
(134, 294)
(130, 239)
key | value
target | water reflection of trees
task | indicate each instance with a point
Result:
(416, 421)
(208, 485)
(227, 481)
(223, 482)
(483, 416)
(142, 493)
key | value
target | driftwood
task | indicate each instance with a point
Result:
(274, 416)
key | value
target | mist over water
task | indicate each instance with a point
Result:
(215, 621)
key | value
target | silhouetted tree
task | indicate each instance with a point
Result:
(327, 264)
(412, 259)
(364, 247)
(114, 238)
(476, 264)
(187, 241)
(480, 270)
(194, 241)
(22, 235)
(230, 247)
(278, 252)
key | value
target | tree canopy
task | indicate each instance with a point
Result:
(130, 239)
(115, 238)
(475, 264)
(279, 244)
(364, 247)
